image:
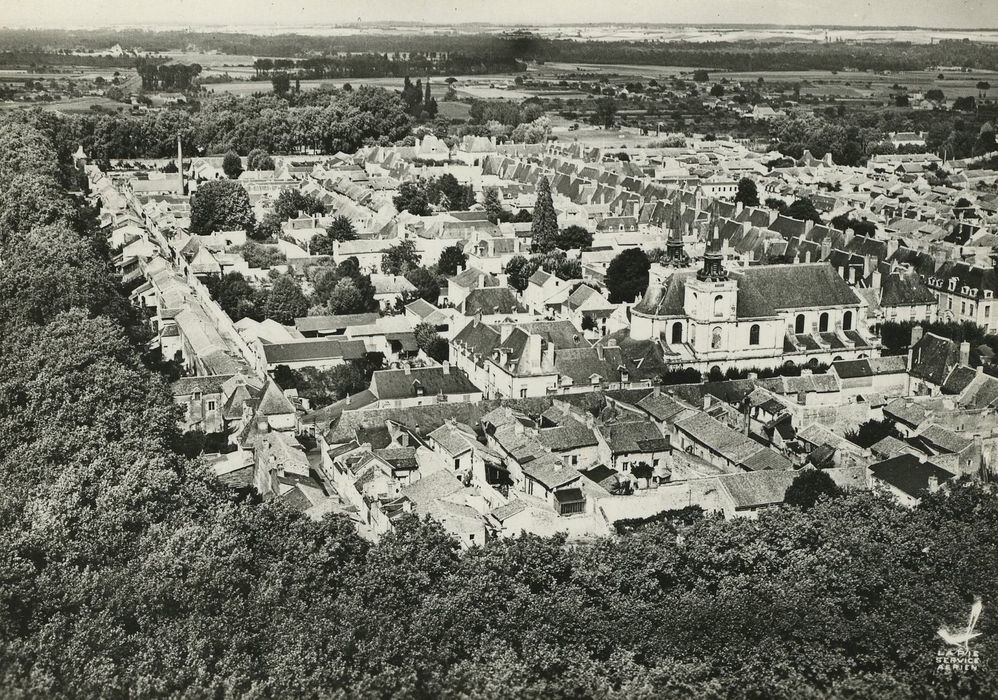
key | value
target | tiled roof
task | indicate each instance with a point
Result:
(799, 286)
(757, 488)
(492, 300)
(719, 437)
(211, 384)
(633, 436)
(313, 349)
(932, 358)
(333, 323)
(398, 383)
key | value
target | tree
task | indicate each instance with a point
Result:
(221, 205)
(544, 227)
(322, 387)
(232, 165)
(982, 88)
(426, 283)
(430, 342)
(777, 204)
(291, 203)
(573, 238)
(286, 301)
(810, 486)
(803, 209)
(701, 76)
(412, 197)
(237, 297)
(50, 270)
(281, 83)
(747, 194)
(451, 258)
(341, 229)
(449, 194)
(871, 432)
(259, 159)
(260, 256)
(717, 90)
(935, 95)
(400, 258)
(494, 210)
(605, 112)
(627, 275)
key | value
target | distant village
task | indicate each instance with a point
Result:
(554, 411)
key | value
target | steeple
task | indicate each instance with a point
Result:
(674, 247)
(713, 261)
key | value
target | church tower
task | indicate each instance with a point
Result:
(711, 303)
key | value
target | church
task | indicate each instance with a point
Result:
(752, 317)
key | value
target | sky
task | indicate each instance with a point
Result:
(296, 13)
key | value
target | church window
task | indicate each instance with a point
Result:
(718, 305)
(847, 321)
(753, 334)
(799, 324)
(715, 338)
(823, 323)
(677, 332)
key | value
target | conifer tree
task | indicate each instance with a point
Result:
(544, 228)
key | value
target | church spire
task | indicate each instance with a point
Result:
(713, 261)
(674, 246)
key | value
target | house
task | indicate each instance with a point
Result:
(320, 353)
(389, 289)
(419, 386)
(202, 400)
(626, 444)
(908, 478)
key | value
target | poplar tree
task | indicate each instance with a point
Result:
(544, 228)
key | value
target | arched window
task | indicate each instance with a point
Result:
(823, 323)
(677, 332)
(715, 338)
(753, 334)
(719, 305)
(847, 321)
(799, 324)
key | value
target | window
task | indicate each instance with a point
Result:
(847, 321)
(718, 306)
(799, 324)
(575, 460)
(715, 338)
(677, 332)
(963, 307)
(753, 334)
(823, 323)
(211, 405)
(523, 393)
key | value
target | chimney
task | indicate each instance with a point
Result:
(826, 247)
(460, 269)
(916, 334)
(847, 236)
(806, 373)
(965, 353)
(807, 256)
(446, 367)
(532, 352)
(852, 275)
(407, 369)
(547, 358)
(875, 280)
(933, 483)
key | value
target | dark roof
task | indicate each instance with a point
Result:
(332, 323)
(634, 436)
(757, 488)
(798, 286)
(932, 357)
(569, 496)
(313, 349)
(399, 383)
(905, 289)
(209, 384)
(909, 475)
(492, 300)
(959, 379)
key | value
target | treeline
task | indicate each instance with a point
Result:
(501, 48)
(53, 58)
(167, 76)
(380, 65)
(324, 121)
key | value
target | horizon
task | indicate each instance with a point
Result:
(234, 15)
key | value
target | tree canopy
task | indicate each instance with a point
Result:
(544, 225)
(221, 205)
(627, 275)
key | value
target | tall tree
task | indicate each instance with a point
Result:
(281, 83)
(627, 275)
(412, 197)
(748, 193)
(399, 259)
(451, 258)
(221, 205)
(544, 227)
(232, 165)
(494, 210)
(286, 301)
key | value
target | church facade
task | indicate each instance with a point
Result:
(763, 316)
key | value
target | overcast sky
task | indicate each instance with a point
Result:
(234, 13)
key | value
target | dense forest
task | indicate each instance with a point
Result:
(126, 570)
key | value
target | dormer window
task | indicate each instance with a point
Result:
(965, 290)
(952, 285)
(988, 294)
